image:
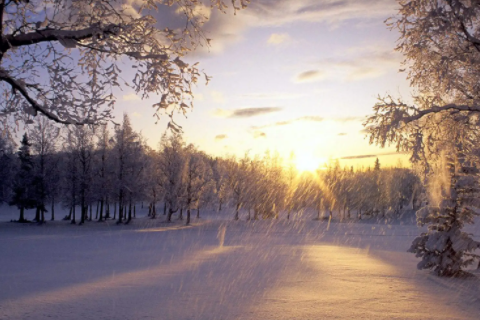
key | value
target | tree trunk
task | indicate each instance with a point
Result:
(249, 217)
(170, 213)
(188, 217)
(164, 208)
(53, 209)
(198, 213)
(98, 209)
(153, 209)
(90, 219)
(134, 211)
(37, 215)
(129, 217)
(73, 215)
(42, 214)
(100, 218)
(107, 209)
(180, 216)
(220, 206)
(22, 215)
(237, 209)
(288, 214)
(82, 213)
(120, 213)
(69, 217)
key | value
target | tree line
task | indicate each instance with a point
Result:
(97, 174)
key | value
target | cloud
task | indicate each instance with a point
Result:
(365, 156)
(365, 73)
(278, 39)
(310, 76)
(342, 134)
(226, 30)
(136, 115)
(356, 64)
(287, 122)
(245, 112)
(347, 119)
(218, 97)
(259, 134)
(130, 97)
(221, 137)
(273, 95)
(334, 12)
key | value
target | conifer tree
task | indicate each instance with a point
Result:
(23, 196)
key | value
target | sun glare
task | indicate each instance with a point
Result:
(308, 162)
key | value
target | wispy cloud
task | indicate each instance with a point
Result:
(287, 122)
(245, 112)
(221, 137)
(226, 31)
(278, 39)
(310, 76)
(365, 156)
(357, 64)
(342, 134)
(272, 95)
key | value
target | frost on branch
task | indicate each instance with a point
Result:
(445, 248)
(64, 59)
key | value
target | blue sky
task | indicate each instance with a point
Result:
(290, 76)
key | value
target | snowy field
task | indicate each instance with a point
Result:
(222, 269)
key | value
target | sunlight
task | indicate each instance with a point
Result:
(308, 162)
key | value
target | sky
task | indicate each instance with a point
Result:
(289, 76)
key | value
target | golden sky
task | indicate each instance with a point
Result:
(290, 76)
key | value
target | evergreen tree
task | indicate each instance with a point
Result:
(444, 247)
(23, 191)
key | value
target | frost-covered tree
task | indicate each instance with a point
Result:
(291, 184)
(454, 200)
(441, 46)
(7, 169)
(103, 171)
(220, 179)
(171, 164)
(43, 137)
(23, 188)
(196, 177)
(126, 152)
(63, 59)
(80, 145)
(238, 181)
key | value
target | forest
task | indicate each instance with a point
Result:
(99, 174)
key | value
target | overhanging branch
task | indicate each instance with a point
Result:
(10, 41)
(17, 86)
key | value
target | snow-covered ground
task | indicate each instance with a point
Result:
(222, 269)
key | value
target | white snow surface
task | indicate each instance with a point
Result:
(222, 269)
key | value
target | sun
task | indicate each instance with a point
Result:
(308, 162)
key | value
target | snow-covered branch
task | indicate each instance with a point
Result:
(36, 107)
(68, 38)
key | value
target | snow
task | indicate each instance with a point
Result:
(222, 269)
